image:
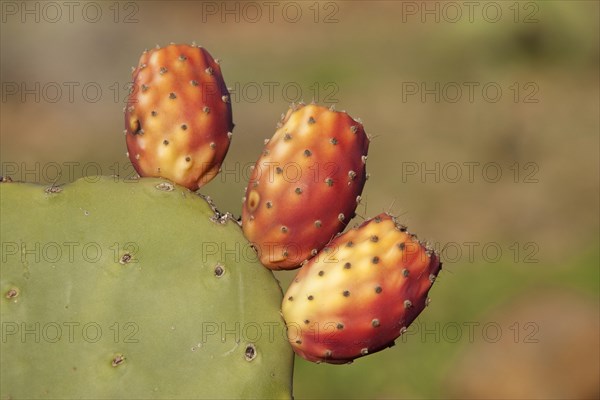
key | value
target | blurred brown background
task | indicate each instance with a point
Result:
(486, 122)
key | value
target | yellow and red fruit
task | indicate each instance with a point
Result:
(178, 119)
(360, 293)
(305, 187)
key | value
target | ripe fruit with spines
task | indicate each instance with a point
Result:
(360, 293)
(305, 187)
(178, 118)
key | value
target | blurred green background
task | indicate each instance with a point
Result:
(515, 312)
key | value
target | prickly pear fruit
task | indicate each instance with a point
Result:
(359, 293)
(305, 187)
(178, 119)
(133, 290)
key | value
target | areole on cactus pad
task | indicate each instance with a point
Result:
(133, 290)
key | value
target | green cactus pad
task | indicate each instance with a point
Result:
(133, 290)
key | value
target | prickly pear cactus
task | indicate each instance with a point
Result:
(133, 290)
